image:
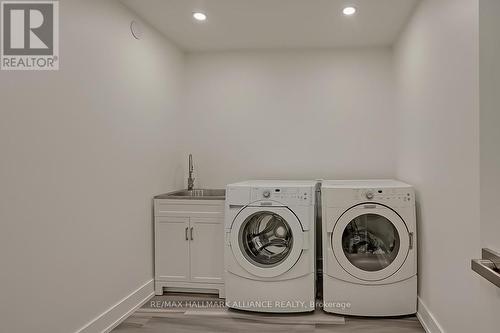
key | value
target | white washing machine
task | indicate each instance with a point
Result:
(269, 246)
(369, 248)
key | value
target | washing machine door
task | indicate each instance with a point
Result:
(267, 241)
(370, 241)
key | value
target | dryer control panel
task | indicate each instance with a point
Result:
(303, 196)
(393, 196)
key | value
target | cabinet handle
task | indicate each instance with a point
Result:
(186, 233)
(192, 233)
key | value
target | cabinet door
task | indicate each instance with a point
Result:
(172, 248)
(207, 249)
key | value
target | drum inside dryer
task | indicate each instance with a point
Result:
(370, 242)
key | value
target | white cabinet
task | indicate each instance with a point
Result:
(207, 250)
(189, 245)
(172, 253)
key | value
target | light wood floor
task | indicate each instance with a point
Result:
(176, 320)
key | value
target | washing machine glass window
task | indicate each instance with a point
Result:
(266, 239)
(370, 242)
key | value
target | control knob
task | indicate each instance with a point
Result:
(266, 194)
(369, 195)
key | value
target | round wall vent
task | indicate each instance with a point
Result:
(136, 29)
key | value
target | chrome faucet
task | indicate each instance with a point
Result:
(190, 178)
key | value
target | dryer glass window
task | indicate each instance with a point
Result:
(370, 242)
(265, 239)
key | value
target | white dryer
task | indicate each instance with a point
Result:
(369, 248)
(269, 246)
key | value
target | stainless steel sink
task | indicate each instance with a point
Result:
(196, 194)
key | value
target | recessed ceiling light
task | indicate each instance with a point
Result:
(349, 11)
(199, 16)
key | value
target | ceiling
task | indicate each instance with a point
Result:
(271, 24)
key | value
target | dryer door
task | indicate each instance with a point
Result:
(371, 242)
(267, 241)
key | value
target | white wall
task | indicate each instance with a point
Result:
(489, 51)
(83, 150)
(437, 69)
(490, 121)
(290, 114)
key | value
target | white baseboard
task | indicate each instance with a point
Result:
(113, 316)
(427, 320)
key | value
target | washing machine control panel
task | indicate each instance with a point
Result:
(387, 195)
(286, 195)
